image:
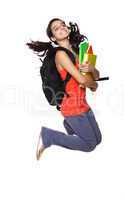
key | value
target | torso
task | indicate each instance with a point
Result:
(76, 103)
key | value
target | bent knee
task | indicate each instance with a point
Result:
(99, 140)
(91, 147)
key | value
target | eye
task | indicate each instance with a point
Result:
(63, 24)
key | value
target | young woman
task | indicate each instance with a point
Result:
(79, 120)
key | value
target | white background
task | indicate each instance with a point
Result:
(61, 173)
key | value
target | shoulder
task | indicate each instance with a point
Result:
(60, 54)
(61, 57)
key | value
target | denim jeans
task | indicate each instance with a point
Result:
(83, 133)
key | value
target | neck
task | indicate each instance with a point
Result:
(65, 43)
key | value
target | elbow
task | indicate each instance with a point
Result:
(97, 75)
(88, 81)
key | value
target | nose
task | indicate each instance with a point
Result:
(63, 28)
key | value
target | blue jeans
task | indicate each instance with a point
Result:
(83, 133)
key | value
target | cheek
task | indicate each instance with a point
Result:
(59, 34)
(63, 33)
(56, 34)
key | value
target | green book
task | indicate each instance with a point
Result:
(83, 46)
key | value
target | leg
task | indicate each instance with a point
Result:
(54, 137)
(95, 127)
(68, 128)
(81, 126)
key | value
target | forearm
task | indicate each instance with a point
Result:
(89, 82)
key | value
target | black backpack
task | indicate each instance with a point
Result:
(52, 84)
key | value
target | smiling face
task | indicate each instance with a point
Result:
(60, 30)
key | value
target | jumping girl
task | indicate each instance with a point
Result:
(79, 120)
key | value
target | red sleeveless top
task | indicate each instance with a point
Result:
(76, 102)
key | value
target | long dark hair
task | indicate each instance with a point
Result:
(74, 38)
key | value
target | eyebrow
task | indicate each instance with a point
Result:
(62, 22)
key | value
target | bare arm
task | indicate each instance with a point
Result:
(89, 68)
(61, 58)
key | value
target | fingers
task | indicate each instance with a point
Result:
(84, 69)
(93, 89)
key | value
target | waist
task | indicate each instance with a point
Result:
(74, 104)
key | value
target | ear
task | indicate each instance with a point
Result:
(69, 29)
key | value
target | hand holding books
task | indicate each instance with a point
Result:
(87, 61)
